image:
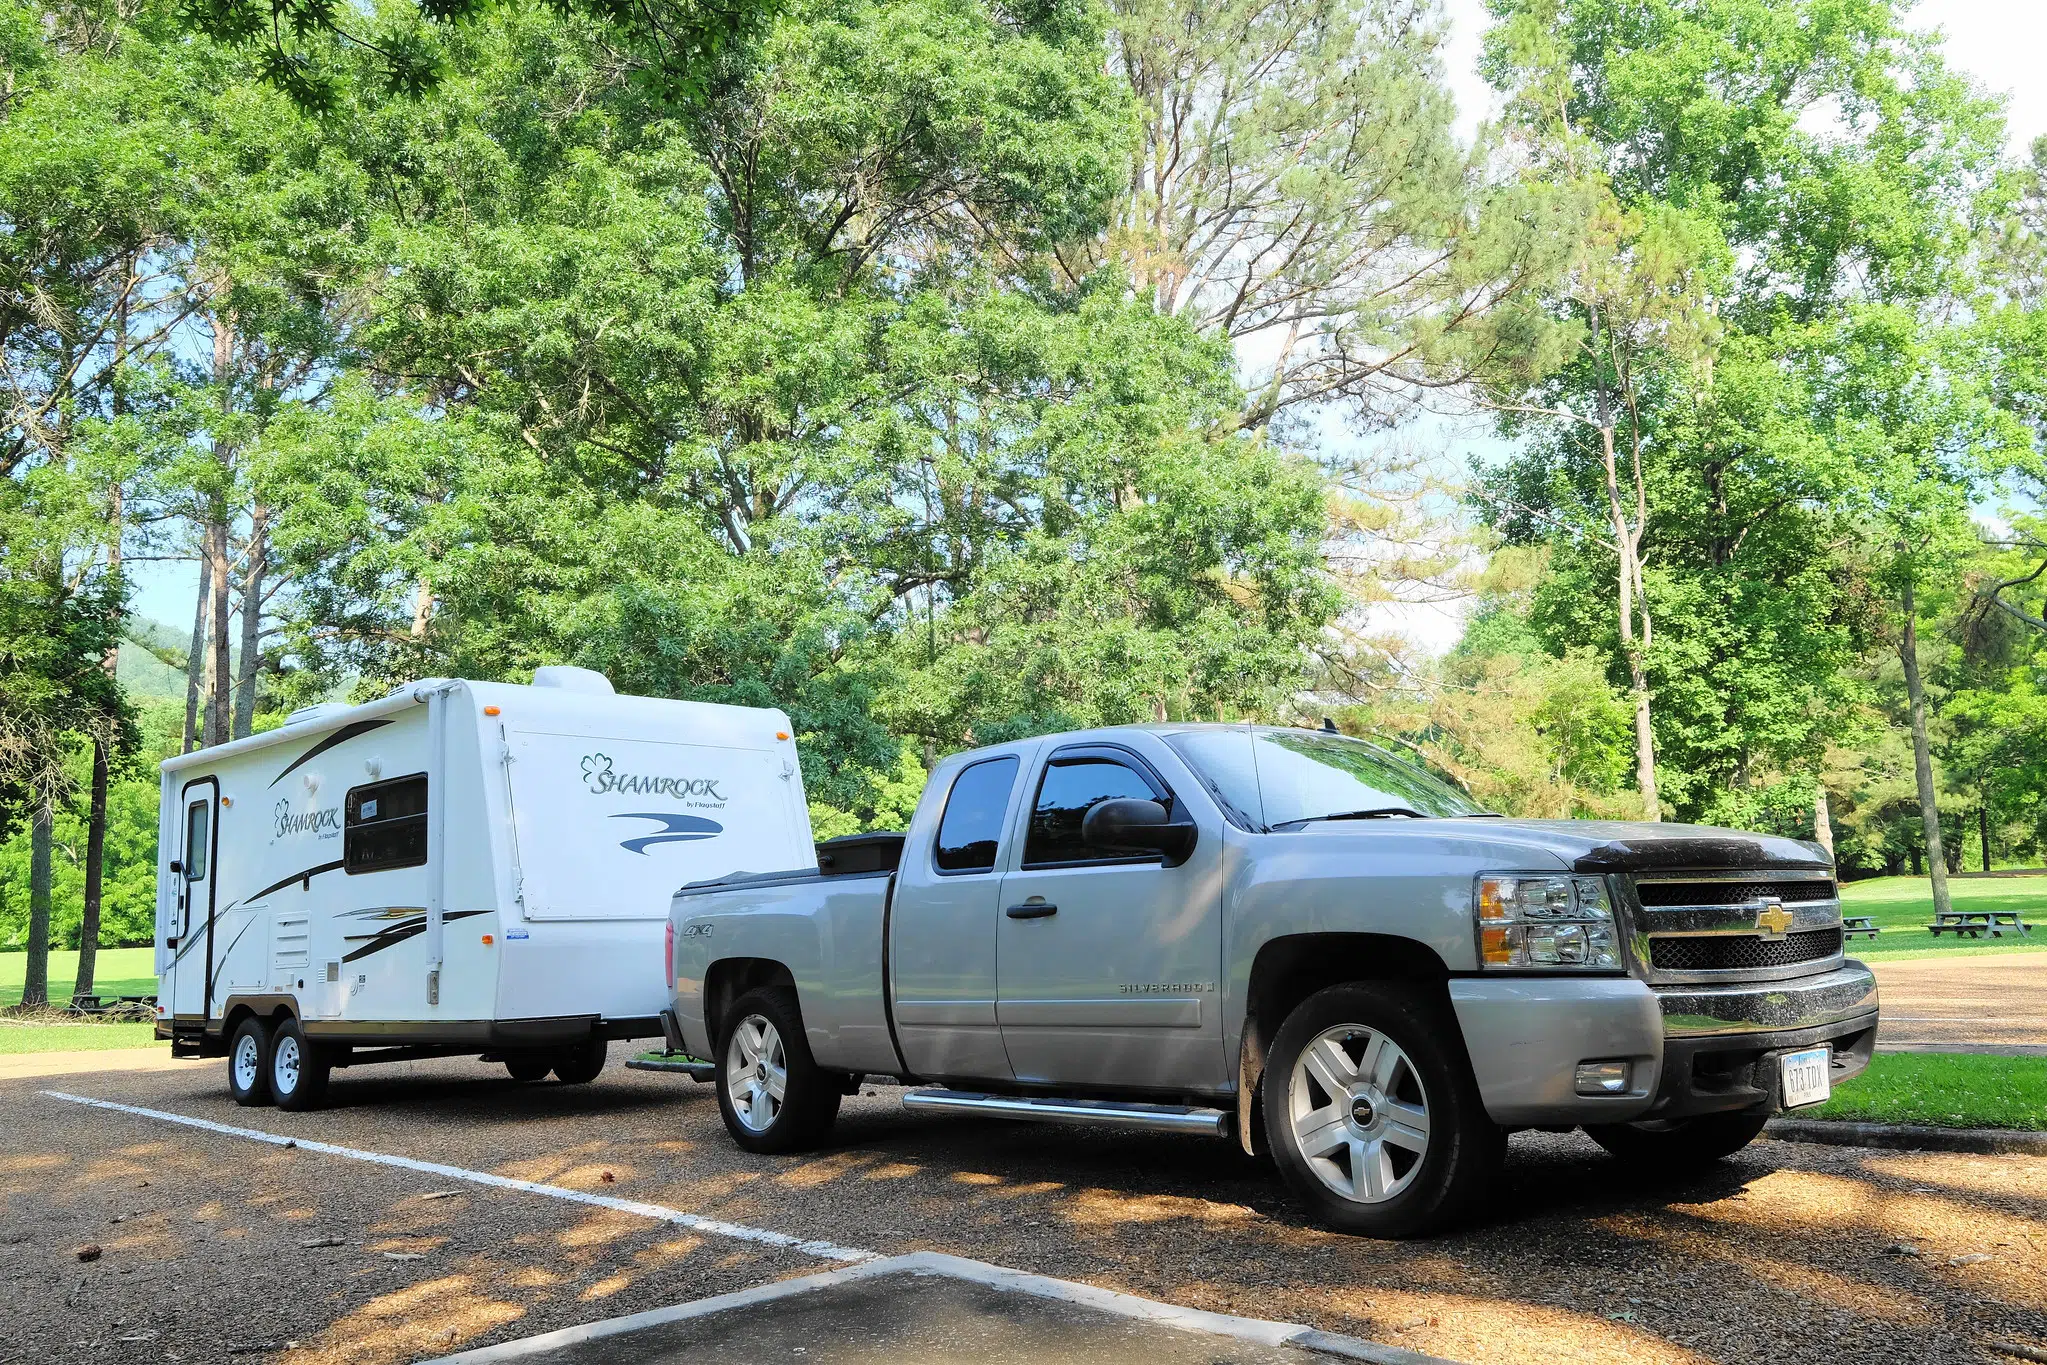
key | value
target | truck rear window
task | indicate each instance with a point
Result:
(971, 830)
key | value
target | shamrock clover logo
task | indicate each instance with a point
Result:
(597, 772)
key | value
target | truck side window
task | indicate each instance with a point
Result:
(384, 825)
(1070, 786)
(972, 827)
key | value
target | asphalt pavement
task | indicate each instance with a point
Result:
(441, 1206)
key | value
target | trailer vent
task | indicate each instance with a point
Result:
(290, 944)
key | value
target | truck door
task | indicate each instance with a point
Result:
(942, 929)
(192, 921)
(1109, 965)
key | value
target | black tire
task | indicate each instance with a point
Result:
(580, 1064)
(248, 1062)
(298, 1069)
(1407, 1146)
(529, 1066)
(802, 1118)
(1681, 1144)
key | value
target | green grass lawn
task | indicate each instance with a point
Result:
(119, 971)
(1943, 1090)
(19, 1035)
(1903, 907)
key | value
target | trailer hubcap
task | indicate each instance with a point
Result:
(246, 1062)
(1358, 1113)
(284, 1070)
(756, 1072)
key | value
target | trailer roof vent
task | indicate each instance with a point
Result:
(570, 679)
(319, 710)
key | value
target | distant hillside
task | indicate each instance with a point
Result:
(151, 662)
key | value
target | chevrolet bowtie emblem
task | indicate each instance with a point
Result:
(1773, 920)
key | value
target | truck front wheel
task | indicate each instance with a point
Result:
(1372, 1113)
(1678, 1144)
(773, 1097)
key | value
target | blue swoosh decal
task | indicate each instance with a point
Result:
(676, 829)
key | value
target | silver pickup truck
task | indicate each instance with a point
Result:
(1287, 937)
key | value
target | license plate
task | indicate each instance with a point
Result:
(1806, 1079)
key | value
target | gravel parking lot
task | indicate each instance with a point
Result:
(213, 1247)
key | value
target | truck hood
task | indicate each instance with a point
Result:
(1638, 846)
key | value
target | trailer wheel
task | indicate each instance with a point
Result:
(771, 1094)
(579, 1065)
(1372, 1113)
(248, 1063)
(529, 1066)
(299, 1068)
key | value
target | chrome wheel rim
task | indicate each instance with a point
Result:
(1358, 1113)
(756, 1073)
(284, 1066)
(247, 1062)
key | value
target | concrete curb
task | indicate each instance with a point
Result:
(1110, 1301)
(1908, 1137)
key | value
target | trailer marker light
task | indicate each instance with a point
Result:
(781, 734)
(488, 940)
(227, 800)
(490, 710)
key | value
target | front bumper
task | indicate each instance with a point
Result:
(1691, 1050)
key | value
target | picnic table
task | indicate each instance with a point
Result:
(1976, 923)
(1859, 926)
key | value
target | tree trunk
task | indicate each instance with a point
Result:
(95, 856)
(221, 682)
(1922, 753)
(252, 621)
(1983, 832)
(35, 985)
(195, 662)
(1822, 821)
(1628, 582)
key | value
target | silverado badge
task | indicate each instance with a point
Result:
(1773, 919)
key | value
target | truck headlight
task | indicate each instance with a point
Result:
(1546, 921)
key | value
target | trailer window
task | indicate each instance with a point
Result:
(384, 825)
(198, 816)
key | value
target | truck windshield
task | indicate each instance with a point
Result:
(1277, 777)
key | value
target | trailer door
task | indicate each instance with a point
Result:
(190, 939)
(609, 827)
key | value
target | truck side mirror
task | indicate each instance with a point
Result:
(1138, 825)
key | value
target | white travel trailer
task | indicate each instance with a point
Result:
(458, 868)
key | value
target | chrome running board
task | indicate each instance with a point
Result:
(1155, 1118)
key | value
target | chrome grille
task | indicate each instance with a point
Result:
(1732, 893)
(1761, 925)
(1731, 953)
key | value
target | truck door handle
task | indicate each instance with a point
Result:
(1031, 910)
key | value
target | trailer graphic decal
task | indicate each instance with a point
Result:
(341, 736)
(677, 829)
(410, 922)
(304, 876)
(599, 777)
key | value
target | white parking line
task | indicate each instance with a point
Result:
(660, 1213)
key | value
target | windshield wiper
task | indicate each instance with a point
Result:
(1374, 813)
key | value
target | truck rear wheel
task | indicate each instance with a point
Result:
(1678, 1144)
(1372, 1113)
(529, 1066)
(248, 1063)
(773, 1097)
